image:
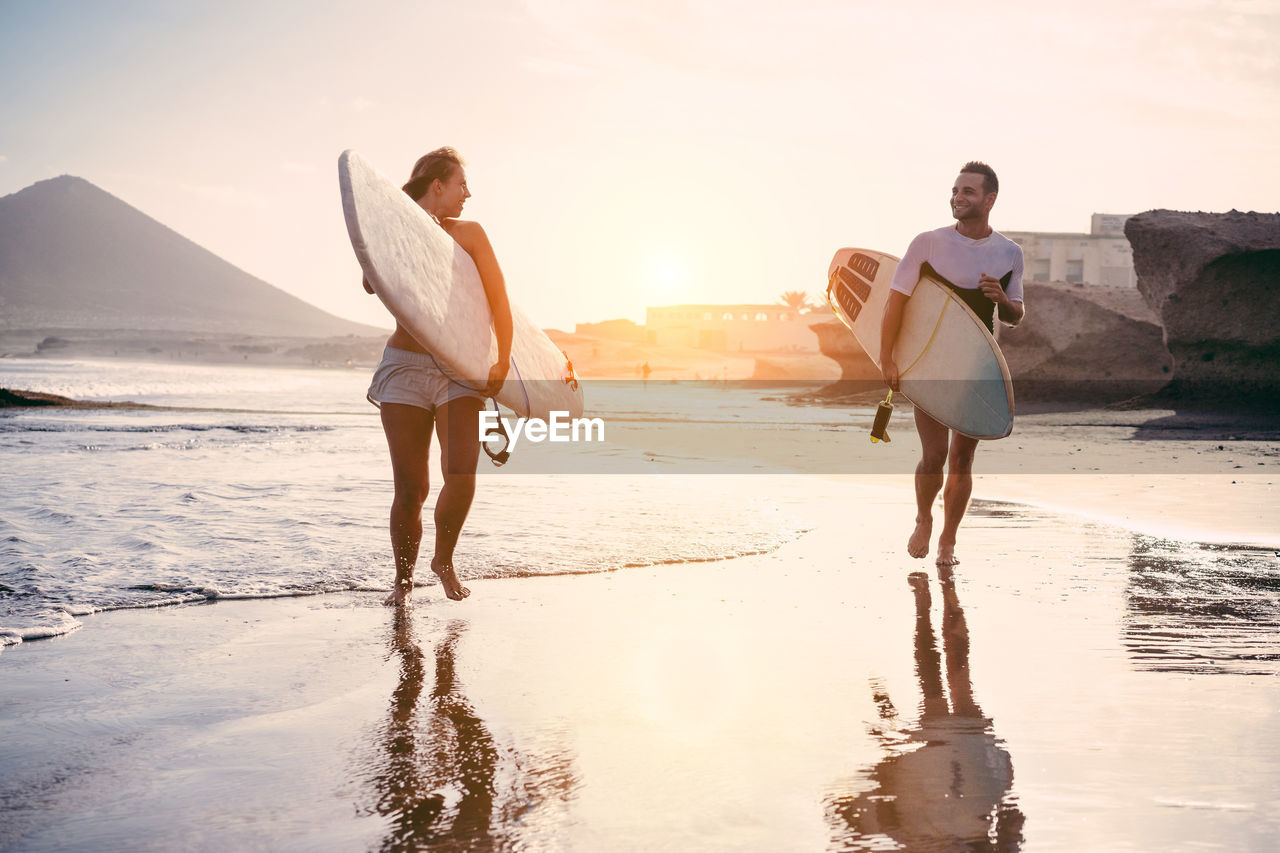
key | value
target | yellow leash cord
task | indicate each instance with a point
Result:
(936, 326)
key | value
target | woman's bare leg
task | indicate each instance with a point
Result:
(408, 430)
(457, 424)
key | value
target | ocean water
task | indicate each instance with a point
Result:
(264, 482)
(1126, 680)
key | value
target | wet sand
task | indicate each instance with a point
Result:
(1075, 687)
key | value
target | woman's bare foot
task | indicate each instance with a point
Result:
(400, 593)
(947, 554)
(452, 587)
(918, 544)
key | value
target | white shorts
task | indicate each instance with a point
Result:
(414, 379)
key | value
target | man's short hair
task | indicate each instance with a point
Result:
(990, 183)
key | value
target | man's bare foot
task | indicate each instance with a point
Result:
(452, 587)
(400, 593)
(918, 544)
(947, 554)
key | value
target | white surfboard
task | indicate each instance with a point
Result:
(951, 367)
(432, 287)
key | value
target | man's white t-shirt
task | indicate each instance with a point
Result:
(961, 261)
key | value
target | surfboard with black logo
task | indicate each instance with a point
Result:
(950, 365)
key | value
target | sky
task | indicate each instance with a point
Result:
(627, 154)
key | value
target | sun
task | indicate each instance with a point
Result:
(667, 279)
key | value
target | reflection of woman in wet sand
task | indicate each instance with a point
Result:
(437, 769)
(438, 779)
(945, 785)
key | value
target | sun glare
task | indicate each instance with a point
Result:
(668, 280)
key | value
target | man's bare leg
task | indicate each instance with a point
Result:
(408, 430)
(928, 482)
(457, 428)
(955, 646)
(955, 496)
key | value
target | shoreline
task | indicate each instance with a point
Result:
(698, 706)
(1178, 517)
(1160, 491)
(1118, 516)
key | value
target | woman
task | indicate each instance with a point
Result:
(415, 396)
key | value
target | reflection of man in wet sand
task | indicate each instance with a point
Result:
(974, 258)
(945, 785)
(436, 771)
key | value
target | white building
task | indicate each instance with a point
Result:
(1102, 256)
(731, 328)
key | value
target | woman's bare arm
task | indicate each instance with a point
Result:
(473, 238)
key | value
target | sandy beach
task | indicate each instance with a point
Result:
(701, 634)
(1067, 690)
(697, 627)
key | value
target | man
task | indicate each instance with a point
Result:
(973, 258)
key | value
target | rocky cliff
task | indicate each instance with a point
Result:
(1083, 343)
(837, 342)
(857, 372)
(1214, 279)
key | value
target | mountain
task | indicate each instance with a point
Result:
(73, 256)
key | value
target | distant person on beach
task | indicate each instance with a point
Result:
(973, 258)
(415, 396)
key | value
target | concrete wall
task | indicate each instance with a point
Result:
(1101, 257)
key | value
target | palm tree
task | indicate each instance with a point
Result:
(796, 300)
